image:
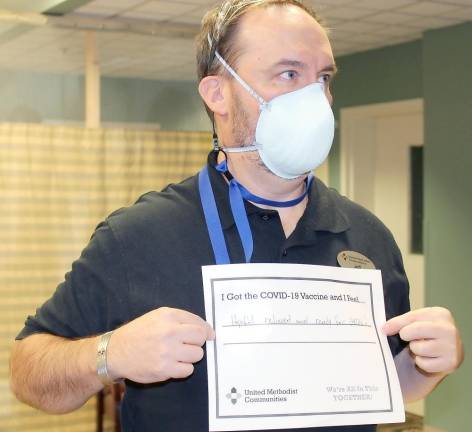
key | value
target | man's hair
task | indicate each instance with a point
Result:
(219, 30)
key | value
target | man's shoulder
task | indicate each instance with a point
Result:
(360, 220)
(175, 204)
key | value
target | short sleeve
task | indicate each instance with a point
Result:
(396, 295)
(93, 298)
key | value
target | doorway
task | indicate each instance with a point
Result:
(380, 169)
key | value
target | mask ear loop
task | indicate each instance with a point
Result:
(249, 89)
(263, 104)
(235, 75)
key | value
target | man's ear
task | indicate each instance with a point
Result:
(211, 91)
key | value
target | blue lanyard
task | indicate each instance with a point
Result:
(237, 194)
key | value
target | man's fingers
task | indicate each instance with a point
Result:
(181, 370)
(426, 348)
(188, 318)
(181, 316)
(433, 338)
(431, 364)
(394, 325)
(194, 334)
(211, 335)
(188, 353)
(424, 330)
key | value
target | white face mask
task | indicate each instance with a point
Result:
(294, 132)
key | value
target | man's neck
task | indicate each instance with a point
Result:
(247, 170)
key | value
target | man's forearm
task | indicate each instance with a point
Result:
(54, 374)
(415, 383)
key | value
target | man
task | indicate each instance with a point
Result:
(140, 274)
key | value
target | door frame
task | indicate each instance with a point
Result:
(358, 126)
(362, 118)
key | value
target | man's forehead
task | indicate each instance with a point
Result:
(273, 19)
(282, 32)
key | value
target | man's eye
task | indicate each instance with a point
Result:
(325, 78)
(289, 75)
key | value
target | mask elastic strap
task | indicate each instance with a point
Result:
(250, 90)
(245, 194)
(235, 75)
(244, 149)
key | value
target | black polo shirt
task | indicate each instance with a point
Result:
(150, 255)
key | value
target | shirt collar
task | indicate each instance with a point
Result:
(322, 212)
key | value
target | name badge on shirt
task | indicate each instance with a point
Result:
(352, 259)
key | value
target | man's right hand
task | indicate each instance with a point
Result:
(157, 346)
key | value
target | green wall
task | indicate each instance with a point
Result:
(375, 76)
(447, 86)
(437, 68)
(27, 97)
(380, 75)
(175, 105)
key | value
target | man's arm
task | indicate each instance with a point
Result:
(434, 351)
(54, 374)
(58, 375)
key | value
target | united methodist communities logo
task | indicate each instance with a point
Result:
(261, 395)
(233, 395)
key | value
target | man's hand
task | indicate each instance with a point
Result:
(433, 337)
(157, 346)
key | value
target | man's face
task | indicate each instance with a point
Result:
(282, 50)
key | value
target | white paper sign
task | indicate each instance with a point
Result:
(297, 346)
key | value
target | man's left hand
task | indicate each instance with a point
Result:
(433, 337)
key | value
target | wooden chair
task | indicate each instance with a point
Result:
(108, 405)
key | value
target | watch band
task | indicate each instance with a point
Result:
(102, 370)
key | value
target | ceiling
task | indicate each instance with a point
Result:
(147, 48)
